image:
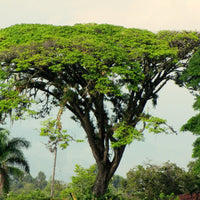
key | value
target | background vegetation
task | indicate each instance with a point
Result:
(148, 181)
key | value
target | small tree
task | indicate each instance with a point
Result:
(57, 136)
(82, 182)
(40, 180)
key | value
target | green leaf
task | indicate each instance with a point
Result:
(125, 134)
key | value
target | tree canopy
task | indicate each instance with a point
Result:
(103, 74)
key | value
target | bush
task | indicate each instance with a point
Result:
(30, 195)
(168, 197)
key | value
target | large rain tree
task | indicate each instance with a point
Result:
(103, 74)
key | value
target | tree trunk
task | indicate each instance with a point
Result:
(1, 185)
(102, 181)
(105, 172)
(101, 149)
(54, 169)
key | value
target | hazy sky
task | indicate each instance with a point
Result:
(174, 104)
(146, 14)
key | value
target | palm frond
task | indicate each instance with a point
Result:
(15, 172)
(19, 143)
(20, 162)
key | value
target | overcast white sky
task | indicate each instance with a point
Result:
(174, 104)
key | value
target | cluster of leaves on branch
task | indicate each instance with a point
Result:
(55, 135)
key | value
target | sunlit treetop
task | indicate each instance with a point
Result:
(125, 66)
(106, 52)
(87, 64)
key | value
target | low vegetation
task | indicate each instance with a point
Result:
(142, 182)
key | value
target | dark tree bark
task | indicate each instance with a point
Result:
(105, 173)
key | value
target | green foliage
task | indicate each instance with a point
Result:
(192, 125)
(118, 187)
(40, 180)
(194, 166)
(14, 103)
(125, 134)
(81, 186)
(106, 51)
(112, 57)
(191, 79)
(82, 182)
(59, 187)
(19, 184)
(143, 182)
(148, 182)
(118, 182)
(191, 75)
(12, 160)
(155, 124)
(35, 188)
(193, 177)
(28, 195)
(55, 135)
(168, 197)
